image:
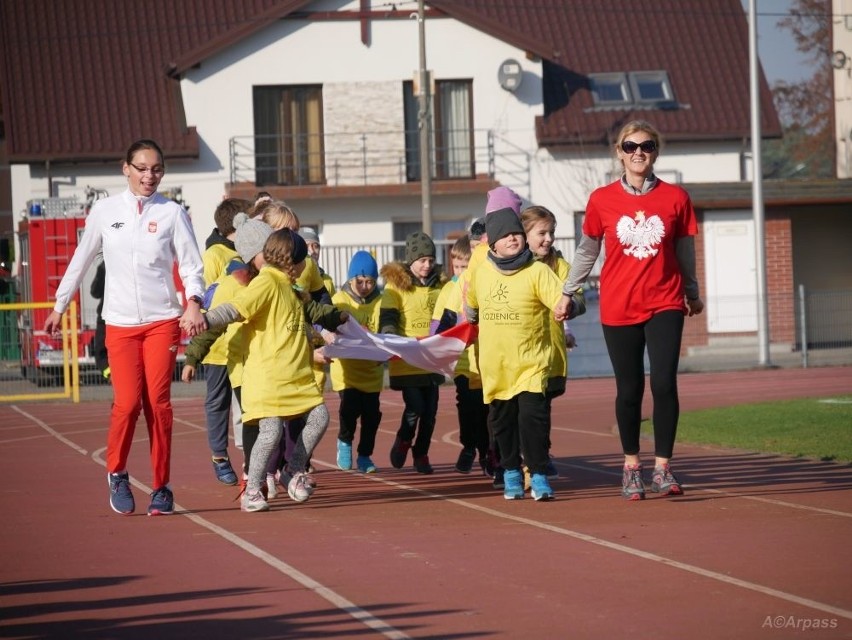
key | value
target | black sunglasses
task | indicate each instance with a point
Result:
(628, 146)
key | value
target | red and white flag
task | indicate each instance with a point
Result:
(438, 353)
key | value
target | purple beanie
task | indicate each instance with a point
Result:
(503, 198)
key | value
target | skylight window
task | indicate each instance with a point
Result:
(645, 88)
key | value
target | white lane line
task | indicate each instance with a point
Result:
(352, 609)
(52, 432)
(713, 575)
(347, 606)
(729, 494)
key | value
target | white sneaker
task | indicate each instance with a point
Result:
(299, 488)
(253, 501)
(271, 486)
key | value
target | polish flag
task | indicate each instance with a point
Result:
(438, 353)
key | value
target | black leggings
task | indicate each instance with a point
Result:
(662, 334)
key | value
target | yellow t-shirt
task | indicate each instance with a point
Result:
(514, 327)
(310, 280)
(214, 260)
(278, 379)
(227, 287)
(559, 356)
(451, 299)
(415, 306)
(348, 373)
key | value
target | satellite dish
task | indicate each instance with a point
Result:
(838, 59)
(509, 74)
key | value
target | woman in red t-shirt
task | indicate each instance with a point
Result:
(647, 285)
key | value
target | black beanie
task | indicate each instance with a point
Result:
(300, 247)
(418, 245)
(501, 223)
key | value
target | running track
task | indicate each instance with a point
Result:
(759, 547)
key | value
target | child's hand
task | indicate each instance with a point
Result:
(187, 373)
(344, 316)
(328, 336)
(320, 357)
(570, 338)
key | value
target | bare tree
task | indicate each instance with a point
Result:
(805, 107)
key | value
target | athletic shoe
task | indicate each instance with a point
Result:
(488, 462)
(465, 462)
(365, 465)
(344, 455)
(399, 452)
(253, 501)
(540, 488)
(664, 482)
(550, 470)
(498, 482)
(271, 486)
(514, 487)
(120, 496)
(162, 502)
(299, 488)
(224, 471)
(632, 486)
(421, 465)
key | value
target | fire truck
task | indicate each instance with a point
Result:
(48, 236)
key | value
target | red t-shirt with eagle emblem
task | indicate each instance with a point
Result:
(640, 275)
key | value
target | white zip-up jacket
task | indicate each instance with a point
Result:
(140, 251)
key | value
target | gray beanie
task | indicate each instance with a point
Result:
(501, 223)
(251, 236)
(418, 245)
(309, 235)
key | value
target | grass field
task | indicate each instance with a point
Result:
(811, 428)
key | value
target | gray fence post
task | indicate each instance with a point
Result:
(803, 323)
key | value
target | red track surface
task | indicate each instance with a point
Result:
(758, 547)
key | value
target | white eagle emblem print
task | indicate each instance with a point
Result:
(640, 235)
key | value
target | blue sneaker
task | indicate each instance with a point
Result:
(162, 502)
(344, 455)
(224, 471)
(120, 496)
(513, 484)
(540, 488)
(365, 465)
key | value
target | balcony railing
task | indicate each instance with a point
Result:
(372, 158)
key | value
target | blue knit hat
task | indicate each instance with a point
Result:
(363, 264)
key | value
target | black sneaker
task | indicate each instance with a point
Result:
(498, 482)
(120, 496)
(399, 452)
(465, 462)
(421, 465)
(162, 502)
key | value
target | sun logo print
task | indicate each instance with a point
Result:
(498, 297)
(640, 235)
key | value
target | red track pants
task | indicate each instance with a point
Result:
(141, 362)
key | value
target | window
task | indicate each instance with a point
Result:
(647, 88)
(651, 87)
(452, 131)
(288, 135)
(442, 230)
(610, 88)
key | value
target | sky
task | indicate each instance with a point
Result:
(775, 47)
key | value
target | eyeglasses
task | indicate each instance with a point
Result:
(154, 171)
(628, 146)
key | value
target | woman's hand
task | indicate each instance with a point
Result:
(192, 321)
(53, 323)
(562, 308)
(695, 306)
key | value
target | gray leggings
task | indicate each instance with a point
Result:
(271, 429)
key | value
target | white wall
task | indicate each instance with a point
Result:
(362, 89)
(842, 41)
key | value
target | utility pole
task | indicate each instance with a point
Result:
(757, 192)
(424, 123)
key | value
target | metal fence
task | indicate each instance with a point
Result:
(807, 328)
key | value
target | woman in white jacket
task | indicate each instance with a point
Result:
(142, 234)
